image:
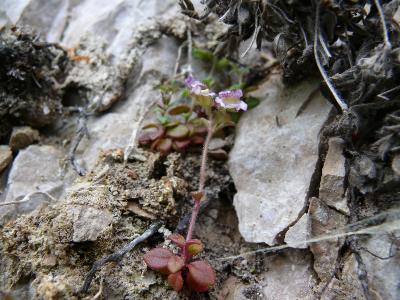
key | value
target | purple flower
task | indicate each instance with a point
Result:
(200, 91)
(194, 85)
(231, 100)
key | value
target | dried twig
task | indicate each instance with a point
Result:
(325, 76)
(388, 45)
(81, 131)
(178, 57)
(100, 290)
(27, 198)
(257, 29)
(190, 49)
(133, 141)
(346, 231)
(118, 255)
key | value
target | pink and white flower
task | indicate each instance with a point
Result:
(231, 100)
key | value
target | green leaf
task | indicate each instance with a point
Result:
(202, 54)
(185, 93)
(179, 109)
(223, 63)
(163, 119)
(252, 102)
(236, 86)
(178, 132)
(209, 81)
(235, 116)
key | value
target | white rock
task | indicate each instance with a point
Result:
(331, 189)
(298, 233)
(274, 158)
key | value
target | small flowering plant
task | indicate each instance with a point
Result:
(180, 126)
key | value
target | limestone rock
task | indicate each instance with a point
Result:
(5, 157)
(36, 168)
(348, 284)
(325, 220)
(331, 190)
(297, 233)
(383, 274)
(274, 157)
(289, 276)
(22, 137)
(89, 223)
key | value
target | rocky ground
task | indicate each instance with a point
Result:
(299, 210)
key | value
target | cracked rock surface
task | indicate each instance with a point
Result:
(274, 157)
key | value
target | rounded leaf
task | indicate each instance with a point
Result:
(197, 140)
(162, 145)
(181, 145)
(151, 132)
(175, 264)
(175, 281)
(179, 109)
(171, 124)
(194, 247)
(157, 259)
(178, 132)
(201, 276)
(177, 239)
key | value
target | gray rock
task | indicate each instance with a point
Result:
(36, 168)
(324, 221)
(274, 157)
(396, 164)
(383, 274)
(289, 276)
(5, 157)
(331, 189)
(89, 222)
(347, 284)
(22, 137)
(298, 233)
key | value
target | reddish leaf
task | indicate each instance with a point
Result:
(177, 239)
(201, 276)
(194, 247)
(162, 145)
(178, 132)
(197, 140)
(175, 264)
(179, 109)
(175, 281)
(157, 259)
(200, 130)
(152, 131)
(181, 145)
